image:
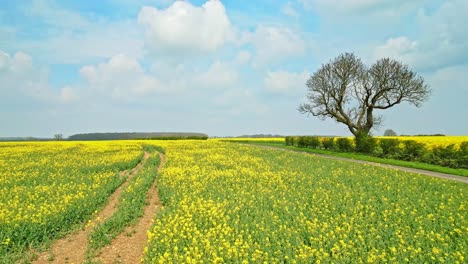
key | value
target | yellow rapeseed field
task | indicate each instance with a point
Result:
(48, 186)
(432, 141)
(226, 202)
(229, 203)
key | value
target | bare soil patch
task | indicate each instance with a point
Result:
(128, 246)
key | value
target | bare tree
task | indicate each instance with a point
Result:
(58, 137)
(349, 92)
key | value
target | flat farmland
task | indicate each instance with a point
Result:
(232, 203)
(225, 202)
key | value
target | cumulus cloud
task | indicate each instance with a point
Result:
(274, 43)
(75, 38)
(289, 10)
(4, 59)
(57, 17)
(396, 48)
(19, 77)
(236, 102)
(286, 82)
(121, 77)
(243, 57)
(455, 78)
(445, 33)
(219, 75)
(183, 27)
(442, 43)
(356, 6)
(67, 94)
(103, 40)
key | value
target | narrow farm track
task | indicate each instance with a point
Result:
(418, 171)
(128, 246)
(72, 248)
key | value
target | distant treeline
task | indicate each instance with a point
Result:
(139, 135)
(24, 139)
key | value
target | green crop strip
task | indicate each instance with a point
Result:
(130, 206)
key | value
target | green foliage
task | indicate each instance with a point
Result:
(389, 133)
(328, 143)
(314, 142)
(344, 144)
(463, 155)
(390, 147)
(302, 142)
(464, 148)
(365, 143)
(445, 156)
(413, 150)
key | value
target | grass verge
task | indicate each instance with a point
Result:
(357, 156)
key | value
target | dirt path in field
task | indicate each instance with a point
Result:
(72, 248)
(128, 246)
(418, 171)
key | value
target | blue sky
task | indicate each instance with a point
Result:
(224, 68)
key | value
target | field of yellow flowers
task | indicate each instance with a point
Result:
(432, 141)
(225, 202)
(47, 187)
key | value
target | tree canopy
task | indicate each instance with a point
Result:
(390, 133)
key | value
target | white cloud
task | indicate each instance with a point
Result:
(274, 43)
(286, 82)
(75, 38)
(19, 77)
(396, 48)
(4, 60)
(337, 7)
(219, 75)
(102, 41)
(353, 23)
(443, 40)
(236, 102)
(454, 77)
(183, 27)
(243, 57)
(444, 33)
(120, 78)
(57, 17)
(289, 10)
(67, 94)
